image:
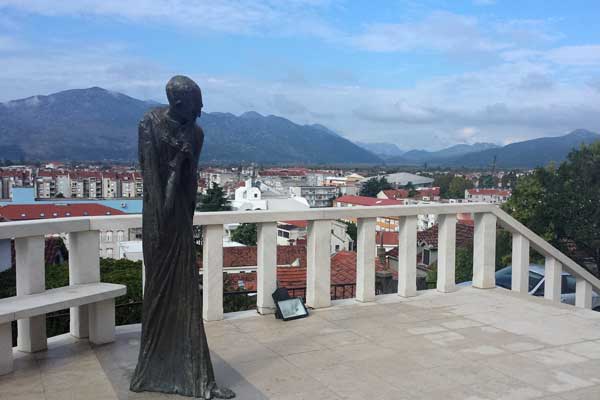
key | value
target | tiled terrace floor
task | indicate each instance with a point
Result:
(471, 344)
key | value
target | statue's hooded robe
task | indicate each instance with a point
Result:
(174, 355)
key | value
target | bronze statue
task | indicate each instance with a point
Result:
(174, 355)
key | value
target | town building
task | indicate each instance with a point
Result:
(110, 240)
(393, 194)
(383, 223)
(493, 196)
(250, 198)
(293, 233)
(316, 196)
(5, 188)
(402, 179)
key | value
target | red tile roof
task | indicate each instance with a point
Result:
(21, 212)
(299, 224)
(245, 256)
(428, 192)
(368, 201)
(386, 238)
(396, 193)
(464, 237)
(343, 271)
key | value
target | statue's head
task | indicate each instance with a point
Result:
(185, 98)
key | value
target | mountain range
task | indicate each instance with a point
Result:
(96, 124)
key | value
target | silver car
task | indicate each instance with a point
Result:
(536, 284)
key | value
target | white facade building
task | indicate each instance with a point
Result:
(493, 196)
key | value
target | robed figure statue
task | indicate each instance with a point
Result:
(174, 355)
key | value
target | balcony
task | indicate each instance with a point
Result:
(477, 342)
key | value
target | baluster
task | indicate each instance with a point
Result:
(84, 267)
(484, 251)
(266, 267)
(520, 263)
(583, 293)
(407, 256)
(552, 279)
(446, 273)
(365, 260)
(212, 273)
(318, 272)
(31, 279)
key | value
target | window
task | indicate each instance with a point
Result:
(120, 236)
(108, 236)
(109, 253)
(426, 256)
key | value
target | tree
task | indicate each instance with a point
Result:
(563, 205)
(412, 192)
(245, 234)
(443, 182)
(457, 187)
(488, 181)
(374, 186)
(463, 267)
(351, 230)
(213, 200)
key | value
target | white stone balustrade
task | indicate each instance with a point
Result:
(365, 259)
(266, 261)
(484, 251)
(95, 319)
(446, 271)
(407, 256)
(520, 263)
(318, 268)
(552, 280)
(31, 279)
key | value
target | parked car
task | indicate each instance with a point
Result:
(536, 284)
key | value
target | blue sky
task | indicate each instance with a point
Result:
(420, 74)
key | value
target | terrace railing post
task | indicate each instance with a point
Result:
(84, 267)
(31, 279)
(407, 256)
(365, 260)
(212, 274)
(583, 293)
(552, 279)
(520, 263)
(318, 263)
(446, 272)
(484, 251)
(266, 267)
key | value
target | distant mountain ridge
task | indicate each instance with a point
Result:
(382, 149)
(529, 153)
(96, 124)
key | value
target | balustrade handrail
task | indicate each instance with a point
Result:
(17, 229)
(22, 229)
(544, 248)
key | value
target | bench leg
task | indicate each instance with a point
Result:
(31, 335)
(102, 321)
(79, 322)
(6, 351)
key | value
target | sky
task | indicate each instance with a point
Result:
(417, 73)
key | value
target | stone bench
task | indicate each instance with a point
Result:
(99, 298)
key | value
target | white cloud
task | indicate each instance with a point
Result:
(527, 93)
(230, 16)
(588, 55)
(440, 31)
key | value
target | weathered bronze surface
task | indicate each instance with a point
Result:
(174, 355)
